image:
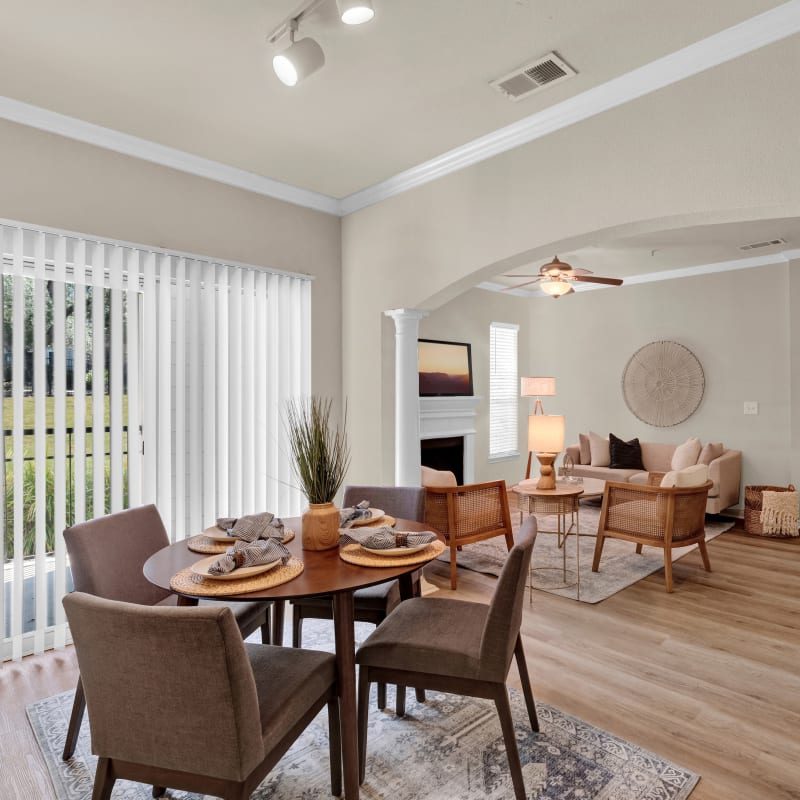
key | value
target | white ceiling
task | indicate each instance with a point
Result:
(195, 75)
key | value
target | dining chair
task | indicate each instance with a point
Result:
(230, 709)
(655, 515)
(106, 557)
(468, 514)
(456, 646)
(373, 603)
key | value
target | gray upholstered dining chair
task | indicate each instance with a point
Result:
(189, 667)
(456, 646)
(373, 603)
(106, 557)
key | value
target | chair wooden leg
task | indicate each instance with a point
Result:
(638, 549)
(297, 628)
(266, 629)
(510, 739)
(400, 701)
(598, 551)
(668, 568)
(160, 791)
(75, 720)
(381, 696)
(509, 540)
(525, 680)
(278, 611)
(335, 745)
(704, 555)
(453, 578)
(104, 780)
(363, 713)
(420, 693)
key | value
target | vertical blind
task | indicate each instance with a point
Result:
(503, 390)
(133, 375)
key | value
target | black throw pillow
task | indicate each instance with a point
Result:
(625, 455)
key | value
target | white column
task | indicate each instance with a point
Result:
(406, 395)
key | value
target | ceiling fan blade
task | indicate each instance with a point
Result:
(521, 275)
(594, 279)
(520, 285)
(577, 271)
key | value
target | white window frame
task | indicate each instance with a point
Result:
(503, 391)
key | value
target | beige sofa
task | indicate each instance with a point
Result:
(725, 472)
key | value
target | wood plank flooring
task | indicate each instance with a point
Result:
(708, 676)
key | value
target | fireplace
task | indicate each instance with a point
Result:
(447, 425)
(444, 453)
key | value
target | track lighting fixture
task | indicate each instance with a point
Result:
(303, 57)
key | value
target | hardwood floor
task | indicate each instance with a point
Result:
(708, 676)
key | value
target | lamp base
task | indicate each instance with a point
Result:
(547, 475)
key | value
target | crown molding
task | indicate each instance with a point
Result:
(745, 37)
(764, 29)
(119, 142)
(784, 257)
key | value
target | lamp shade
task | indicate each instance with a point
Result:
(545, 433)
(355, 12)
(556, 288)
(537, 387)
(298, 61)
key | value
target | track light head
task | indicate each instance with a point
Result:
(299, 60)
(355, 12)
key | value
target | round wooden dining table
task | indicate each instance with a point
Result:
(324, 573)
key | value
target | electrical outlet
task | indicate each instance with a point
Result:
(751, 407)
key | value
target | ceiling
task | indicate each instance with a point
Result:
(411, 85)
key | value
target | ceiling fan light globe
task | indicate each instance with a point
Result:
(555, 288)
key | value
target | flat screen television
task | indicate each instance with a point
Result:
(445, 368)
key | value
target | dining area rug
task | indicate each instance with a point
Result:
(620, 566)
(447, 748)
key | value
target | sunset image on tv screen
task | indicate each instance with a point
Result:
(444, 369)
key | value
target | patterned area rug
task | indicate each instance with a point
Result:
(448, 748)
(620, 566)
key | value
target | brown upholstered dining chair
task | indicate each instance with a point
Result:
(189, 667)
(373, 603)
(106, 557)
(456, 646)
(654, 515)
(467, 514)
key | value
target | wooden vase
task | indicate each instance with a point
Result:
(320, 526)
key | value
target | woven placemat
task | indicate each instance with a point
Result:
(377, 523)
(356, 554)
(205, 544)
(187, 582)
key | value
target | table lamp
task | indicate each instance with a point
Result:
(546, 439)
(537, 387)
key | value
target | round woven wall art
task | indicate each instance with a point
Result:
(663, 383)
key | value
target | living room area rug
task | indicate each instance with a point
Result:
(620, 566)
(447, 748)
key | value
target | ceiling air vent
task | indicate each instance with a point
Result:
(532, 77)
(767, 243)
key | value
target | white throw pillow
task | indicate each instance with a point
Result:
(601, 450)
(696, 475)
(686, 454)
(668, 481)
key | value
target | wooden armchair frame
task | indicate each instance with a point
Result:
(656, 516)
(467, 514)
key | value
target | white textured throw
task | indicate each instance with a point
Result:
(779, 513)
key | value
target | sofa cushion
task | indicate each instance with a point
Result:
(657, 456)
(604, 473)
(696, 475)
(586, 450)
(686, 454)
(600, 450)
(710, 451)
(639, 478)
(625, 455)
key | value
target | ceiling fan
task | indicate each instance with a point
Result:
(556, 276)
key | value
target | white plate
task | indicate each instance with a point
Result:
(374, 517)
(218, 535)
(201, 568)
(397, 551)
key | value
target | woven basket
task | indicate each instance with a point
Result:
(752, 507)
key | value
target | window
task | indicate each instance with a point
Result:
(503, 391)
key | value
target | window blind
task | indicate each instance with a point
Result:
(503, 390)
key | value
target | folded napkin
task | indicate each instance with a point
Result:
(249, 554)
(347, 516)
(385, 538)
(253, 526)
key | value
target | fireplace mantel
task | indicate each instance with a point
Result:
(440, 417)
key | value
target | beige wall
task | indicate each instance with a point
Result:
(52, 181)
(712, 148)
